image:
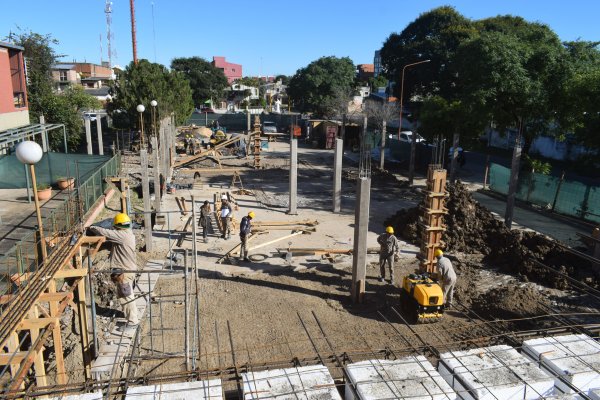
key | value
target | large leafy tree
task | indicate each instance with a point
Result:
(64, 108)
(513, 73)
(147, 81)
(434, 35)
(206, 81)
(323, 85)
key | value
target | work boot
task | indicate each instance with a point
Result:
(246, 259)
(381, 279)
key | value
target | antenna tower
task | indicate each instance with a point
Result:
(109, 35)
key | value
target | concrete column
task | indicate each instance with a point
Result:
(293, 177)
(146, 195)
(361, 228)
(337, 175)
(453, 162)
(156, 173)
(512, 183)
(248, 123)
(382, 148)
(99, 131)
(88, 134)
(44, 138)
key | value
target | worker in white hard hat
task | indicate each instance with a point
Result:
(123, 263)
(389, 248)
(447, 276)
(245, 230)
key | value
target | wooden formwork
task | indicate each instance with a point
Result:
(432, 217)
(31, 315)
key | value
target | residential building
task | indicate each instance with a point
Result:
(377, 63)
(366, 71)
(64, 75)
(274, 90)
(14, 111)
(231, 71)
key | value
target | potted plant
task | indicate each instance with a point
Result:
(65, 182)
(44, 191)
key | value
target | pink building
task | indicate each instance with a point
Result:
(231, 71)
(13, 93)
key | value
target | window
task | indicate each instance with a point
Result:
(19, 99)
(63, 75)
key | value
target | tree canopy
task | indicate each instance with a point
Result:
(206, 81)
(322, 85)
(59, 108)
(147, 81)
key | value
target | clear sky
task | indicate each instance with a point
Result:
(267, 37)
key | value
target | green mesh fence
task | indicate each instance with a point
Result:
(51, 167)
(567, 197)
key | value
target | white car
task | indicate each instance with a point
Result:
(269, 127)
(406, 136)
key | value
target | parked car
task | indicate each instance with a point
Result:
(269, 127)
(406, 136)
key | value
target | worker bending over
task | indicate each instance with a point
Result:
(245, 230)
(123, 262)
(447, 276)
(389, 248)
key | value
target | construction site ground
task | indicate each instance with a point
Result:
(277, 309)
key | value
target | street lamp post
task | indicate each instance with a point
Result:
(413, 143)
(140, 108)
(30, 153)
(154, 103)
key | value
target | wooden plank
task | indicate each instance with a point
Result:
(36, 323)
(237, 247)
(276, 240)
(43, 298)
(13, 358)
(307, 222)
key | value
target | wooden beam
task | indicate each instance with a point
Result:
(13, 358)
(36, 323)
(276, 240)
(283, 223)
(43, 298)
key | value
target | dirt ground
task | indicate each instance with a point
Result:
(273, 311)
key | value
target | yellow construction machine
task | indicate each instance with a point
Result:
(422, 298)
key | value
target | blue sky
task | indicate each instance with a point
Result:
(267, 37)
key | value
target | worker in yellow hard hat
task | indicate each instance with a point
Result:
(123, 262)
(389, 247)
(245, 230)
(447, 276)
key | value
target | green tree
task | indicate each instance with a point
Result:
(434, 35)
(513, 74)
(206, 81)
(64, 108)
(249, 81)
(283, 78)
(377, 82)
(144, 82)
(322, 85)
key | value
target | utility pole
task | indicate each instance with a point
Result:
(514, 180)
(133, 39)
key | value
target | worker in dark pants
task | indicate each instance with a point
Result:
(245, 230)
(389, 248)
(123, 262)
(205, 219)
(447, 276)
(226, 219)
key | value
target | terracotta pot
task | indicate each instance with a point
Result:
(44, 194)
(66, 183)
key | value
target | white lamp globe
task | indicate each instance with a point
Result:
(29, 152)
(140, 108)
(153, 103)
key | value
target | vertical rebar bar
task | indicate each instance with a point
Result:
(92, 303)
(150, 314)
(186, 343)
(365, 153)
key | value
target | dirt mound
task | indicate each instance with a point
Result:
(471, 228)
(511, 302)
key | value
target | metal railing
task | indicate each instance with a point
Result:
(25, 255)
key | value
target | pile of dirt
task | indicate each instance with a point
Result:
(471, 228)
(377, 177)
(516, 301)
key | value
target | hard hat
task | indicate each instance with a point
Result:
(121, 220)
(438, 253)
(389, 229)
(251, 214)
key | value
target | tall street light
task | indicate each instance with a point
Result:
(154, 103)
(413, 143)
(140, 108)
(31, 153)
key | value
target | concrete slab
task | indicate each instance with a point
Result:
(496, 372)
(302, 383)
(571, 358)
(200, 390)
(594, 394)
(407, 378)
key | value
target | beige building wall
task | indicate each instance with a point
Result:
(13, 120)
